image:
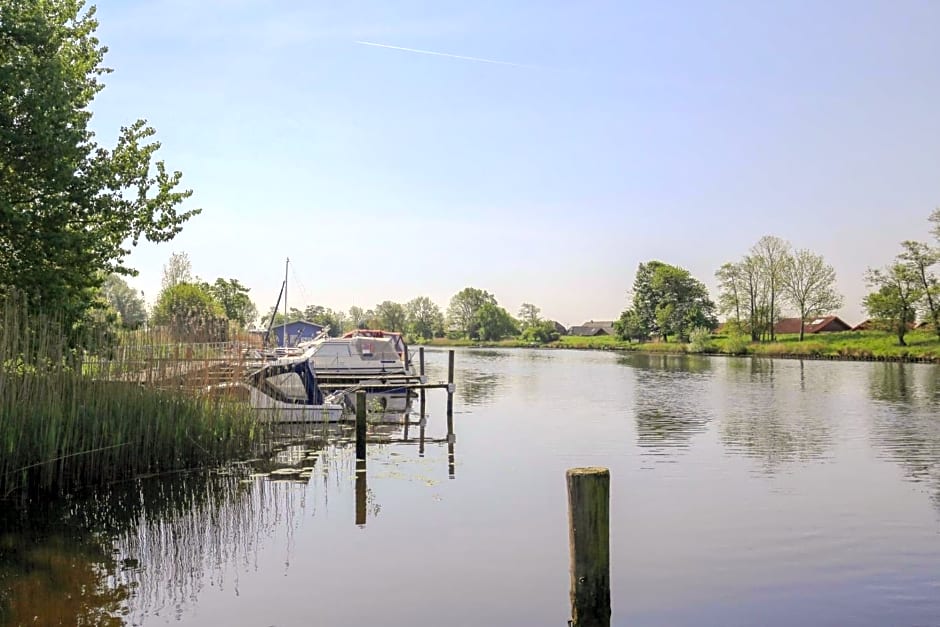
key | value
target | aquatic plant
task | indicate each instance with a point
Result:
(74, 417)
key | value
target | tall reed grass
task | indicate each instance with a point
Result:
(77, 416)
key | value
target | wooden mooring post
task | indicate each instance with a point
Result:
(362, 491)
(589, 542)
(361, 425)
(450, 383)
(421, 372)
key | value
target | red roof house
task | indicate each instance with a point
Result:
(825, 324)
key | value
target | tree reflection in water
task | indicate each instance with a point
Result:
(773, 414)
(667, 399)
(905, 426)
(140, 547)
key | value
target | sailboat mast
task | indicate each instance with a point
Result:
(284, 330)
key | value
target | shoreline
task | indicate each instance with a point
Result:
(883, 358)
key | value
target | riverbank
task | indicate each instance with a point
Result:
(923, 346)
(72, 417)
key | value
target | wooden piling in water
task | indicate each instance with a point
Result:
(589, 542)
(362, 490)
(421, 372)
(361, 425)
(450, 382)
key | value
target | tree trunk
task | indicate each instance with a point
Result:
(801, 329)
(902, 329)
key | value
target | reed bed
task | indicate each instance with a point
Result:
(104, 407)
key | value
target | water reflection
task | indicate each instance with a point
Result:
(772, 416)
(905, 425)
(58, 576)
(667, 407)
(478, 387)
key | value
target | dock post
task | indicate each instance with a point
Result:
(421, 425)
(450, 382)
(451, 440)
(589, 542)
(361, 492)
(361, 425)
(421, 372)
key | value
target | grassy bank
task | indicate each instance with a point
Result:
(922, 345)
(65, 425)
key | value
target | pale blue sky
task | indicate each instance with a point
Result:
(681, 131)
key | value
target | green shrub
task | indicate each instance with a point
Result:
(736, 344)
(700, 341)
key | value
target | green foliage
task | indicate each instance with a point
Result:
(190, 313)
(424, 318)
(894, 302)
(542, 332)
(700, 341)
(495, 323)
(68, 205)
(391, 316)
(235, 302)
(529, 315)
(629, 327)
(463, 312)
(70, 419)
(128, 304)
(667, 301)
(736, 343)
(325, 317)
(809, 284)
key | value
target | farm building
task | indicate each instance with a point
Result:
(826, 324)
(593, 327)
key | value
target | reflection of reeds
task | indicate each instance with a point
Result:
(72, 417)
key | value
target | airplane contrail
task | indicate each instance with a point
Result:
(443, 54)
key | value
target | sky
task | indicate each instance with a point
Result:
(562, 143)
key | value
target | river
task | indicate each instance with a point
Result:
(743, 492)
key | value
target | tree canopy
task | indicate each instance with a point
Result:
(667, 301)
(462, 313)
(69, 207)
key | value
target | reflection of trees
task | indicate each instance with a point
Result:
(771, 416)
(905, 425)
(58, 578)
(667, 396)
(475, 387)
(135, 546)
(695, 364)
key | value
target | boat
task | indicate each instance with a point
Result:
(287, 390)
(372, 361)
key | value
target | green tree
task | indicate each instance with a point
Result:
(920, 259)
(325, 317)
(730, 290)
(495, 323)
(894, 303)
(191, 313)
(668, 301)
(424, 318)
(69, 207)
(128, 304)
(809, 283)
(462, 313)
(357, 317)
(529, 315)
(391, 316)
(233, 296)
(542, 332)
(629, 327)
(771, 255)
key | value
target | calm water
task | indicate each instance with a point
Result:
(743, 492)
